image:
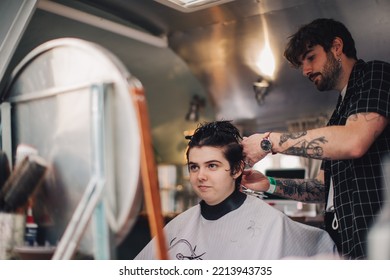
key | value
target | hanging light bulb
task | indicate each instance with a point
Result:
(261, 88)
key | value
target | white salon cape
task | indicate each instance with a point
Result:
(240, 228)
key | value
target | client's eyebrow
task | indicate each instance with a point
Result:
(212, 161)
(209, 161)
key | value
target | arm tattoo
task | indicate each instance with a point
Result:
(285, 136)
(305, 190)
(312, 149)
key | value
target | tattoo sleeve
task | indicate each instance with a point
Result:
(304, 148)
(304, 190)
(285, 136)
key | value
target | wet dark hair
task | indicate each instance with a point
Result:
(319, 32)
(222, 134)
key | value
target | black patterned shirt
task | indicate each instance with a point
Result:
(358, 183)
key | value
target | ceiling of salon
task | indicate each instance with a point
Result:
(221, 45)
(213, 52)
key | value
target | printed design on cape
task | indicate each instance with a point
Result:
(189, 254)
(253, 228)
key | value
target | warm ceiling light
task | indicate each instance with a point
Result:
(266, 62)
(191, 5)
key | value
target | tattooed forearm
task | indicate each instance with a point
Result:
(285, 136)
(312, 149)
(305, 190)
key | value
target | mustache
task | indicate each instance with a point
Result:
(312, 76)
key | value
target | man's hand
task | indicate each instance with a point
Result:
(252, 151)
(255, 180)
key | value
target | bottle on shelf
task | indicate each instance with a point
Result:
(30, 236)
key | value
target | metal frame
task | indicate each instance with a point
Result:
(91, 204)
(15, 14)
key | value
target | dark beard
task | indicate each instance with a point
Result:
(330, 74)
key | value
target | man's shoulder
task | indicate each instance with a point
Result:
(372, 65)
(368, 70)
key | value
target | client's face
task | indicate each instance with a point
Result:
(210, 174)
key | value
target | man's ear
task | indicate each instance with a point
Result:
(337, 46)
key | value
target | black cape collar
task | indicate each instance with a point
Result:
(214, 212)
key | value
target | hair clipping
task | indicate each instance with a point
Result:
(188, 137)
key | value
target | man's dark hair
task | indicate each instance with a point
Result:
(222, 134)
(319, 32)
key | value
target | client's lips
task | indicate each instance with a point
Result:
(202, 187)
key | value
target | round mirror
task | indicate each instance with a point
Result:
(52, 108)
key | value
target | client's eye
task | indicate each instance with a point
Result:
(213, 166)
(193, 167)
